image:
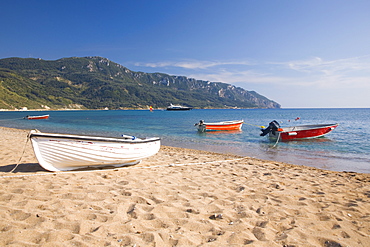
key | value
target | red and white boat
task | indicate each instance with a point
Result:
(297, 132)
(225, 125)
(37, 117)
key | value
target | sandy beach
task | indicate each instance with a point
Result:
(179, 197)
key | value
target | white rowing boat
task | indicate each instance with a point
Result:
(64, 152)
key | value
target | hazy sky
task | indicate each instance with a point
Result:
(300, 53)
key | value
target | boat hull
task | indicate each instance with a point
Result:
(302, 132)
(178, 108)
(37, 117)
(221, 126)
(59, 152)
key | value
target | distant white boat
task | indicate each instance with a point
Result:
(63, 152)
(178, 108)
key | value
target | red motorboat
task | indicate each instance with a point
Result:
(225, 125)
(297, 132)
(37, 117)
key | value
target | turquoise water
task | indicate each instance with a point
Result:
(347, 148)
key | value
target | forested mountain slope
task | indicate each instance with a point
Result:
(97, 83)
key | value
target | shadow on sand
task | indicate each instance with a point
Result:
(24, 167)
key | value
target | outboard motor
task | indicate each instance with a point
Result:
(201, 122)
(273, 126)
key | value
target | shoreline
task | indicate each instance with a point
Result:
(334, 152)
(219, 153)
(162, 109)
(179, 197)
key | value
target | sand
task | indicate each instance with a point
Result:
(179, 197)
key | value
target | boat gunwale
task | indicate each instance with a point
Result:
(38, 117)
(45, 115)
(307, 127)
(94, 138)
(225, 123)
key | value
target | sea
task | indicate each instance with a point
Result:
(347, 148)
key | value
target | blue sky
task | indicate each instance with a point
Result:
(299, 53)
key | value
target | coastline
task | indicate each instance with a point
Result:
(119, 109)
(179, 197)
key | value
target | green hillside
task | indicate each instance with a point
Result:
(97, 83)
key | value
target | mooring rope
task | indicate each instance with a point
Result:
(259, 126)
(24, 150)
(350, 131)
(277, 140)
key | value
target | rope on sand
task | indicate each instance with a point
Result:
(24, 150)
(116, 168)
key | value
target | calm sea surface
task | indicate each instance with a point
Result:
(347, 148)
